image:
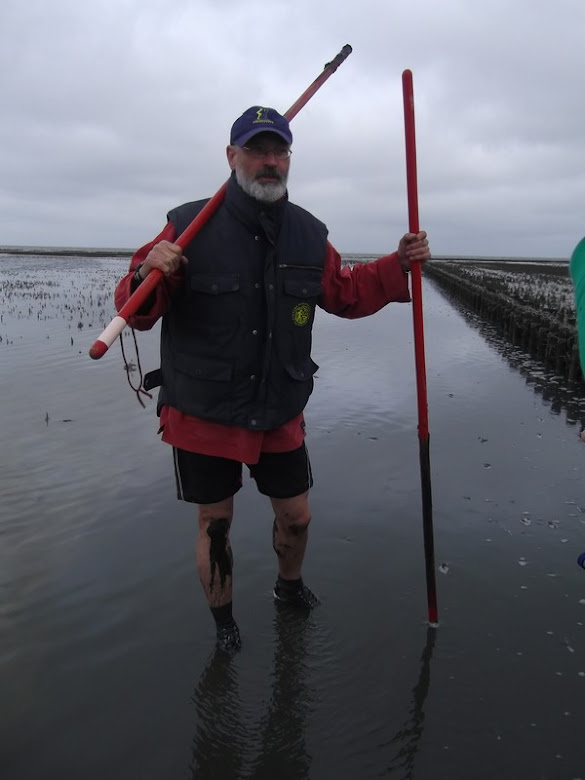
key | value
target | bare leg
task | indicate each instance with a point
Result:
(213, 551)
(290, 533)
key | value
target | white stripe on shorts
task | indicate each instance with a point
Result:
(309, 469)
(178, 474)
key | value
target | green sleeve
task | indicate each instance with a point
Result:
(577, 272)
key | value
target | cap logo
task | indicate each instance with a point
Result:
(262, 116)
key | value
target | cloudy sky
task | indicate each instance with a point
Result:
(114, 111)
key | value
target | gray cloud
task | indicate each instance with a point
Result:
(115, 111)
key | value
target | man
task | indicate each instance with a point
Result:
(236, 369)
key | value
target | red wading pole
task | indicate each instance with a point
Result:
(140, 295)
(419, 351)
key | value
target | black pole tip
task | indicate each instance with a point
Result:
(339, 58)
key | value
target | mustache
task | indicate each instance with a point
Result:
(269, 170)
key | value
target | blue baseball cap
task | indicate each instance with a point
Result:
(259, 119)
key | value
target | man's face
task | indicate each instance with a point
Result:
(261, 166)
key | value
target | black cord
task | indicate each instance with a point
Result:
(129, 367)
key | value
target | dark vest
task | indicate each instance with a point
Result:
(236, 342)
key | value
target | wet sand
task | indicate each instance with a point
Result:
(107, 669)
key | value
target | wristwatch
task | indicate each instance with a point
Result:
(137, 278)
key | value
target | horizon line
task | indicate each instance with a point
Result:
(20, 249)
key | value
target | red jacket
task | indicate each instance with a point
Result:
(347, 292)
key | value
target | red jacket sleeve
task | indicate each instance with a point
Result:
(159, 302)
(365, 288)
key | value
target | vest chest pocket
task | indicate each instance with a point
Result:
(214, 284)
(214, 307)
(302, 288)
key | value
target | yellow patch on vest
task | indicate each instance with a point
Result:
(301, 314)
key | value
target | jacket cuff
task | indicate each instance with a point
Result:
(393, 279)
(125, 289)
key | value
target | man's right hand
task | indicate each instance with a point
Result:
(165, 256)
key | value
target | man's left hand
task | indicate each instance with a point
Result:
(413, 247)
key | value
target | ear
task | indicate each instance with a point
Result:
(231, 156)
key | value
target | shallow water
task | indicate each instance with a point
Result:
(106, 662)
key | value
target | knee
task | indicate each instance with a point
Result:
(295, 524)
(213, 535)
(214, 520)
(215, 528)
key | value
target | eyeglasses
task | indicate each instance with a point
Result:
(260, 152)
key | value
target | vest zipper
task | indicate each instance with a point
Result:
(303, 267)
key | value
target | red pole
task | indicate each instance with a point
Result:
(419, 350)
(117, 325)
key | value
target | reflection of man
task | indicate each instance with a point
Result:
(236, 374)
(284, 751)
(220, 743)
(226, 742)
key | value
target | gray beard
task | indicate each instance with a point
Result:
(266, 193)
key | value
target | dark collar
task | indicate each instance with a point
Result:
(252, 213)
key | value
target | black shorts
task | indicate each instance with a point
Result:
(205, 479)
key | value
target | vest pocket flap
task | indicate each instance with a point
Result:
(307, 288)
(303, 371)
(152, 379)
(215, 285)
(203, 368)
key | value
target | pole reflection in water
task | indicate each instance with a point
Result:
(408, 737)
(227, 746)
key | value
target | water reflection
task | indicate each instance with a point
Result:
(560, 393)
(408, 737)
(219, 743)
(224, 737)
(283, 726)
